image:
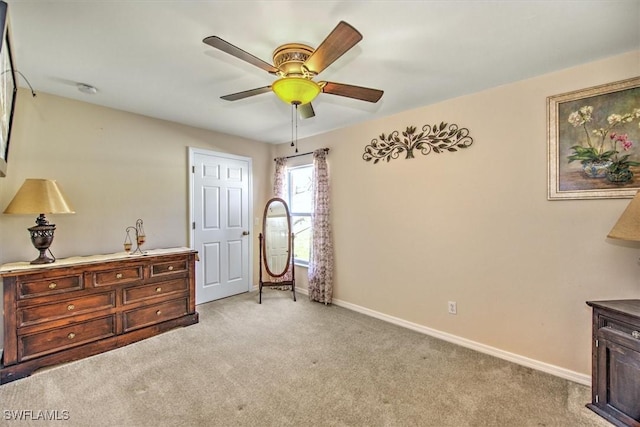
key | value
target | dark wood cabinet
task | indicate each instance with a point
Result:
(615, 391)
(83, 306)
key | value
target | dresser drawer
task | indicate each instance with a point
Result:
(35, 285)
(65, 308)
(46, 342)
(623, 330)
(118, 276)
(139, 293)
(619, 325)
(156, 313)
(629, 340)
(170, 267)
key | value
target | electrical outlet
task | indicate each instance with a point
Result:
(453, 307)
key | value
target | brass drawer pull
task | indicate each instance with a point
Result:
(171, 268)
(158, 289)
(158, 313)
(52, 285)
(71, 307)
(119, 276)
(71, 335)
(636, 335)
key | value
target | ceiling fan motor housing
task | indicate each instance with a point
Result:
(289, 59)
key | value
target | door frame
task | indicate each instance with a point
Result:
(192, 152)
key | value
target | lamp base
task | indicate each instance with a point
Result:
(42, 259)
(42, 237)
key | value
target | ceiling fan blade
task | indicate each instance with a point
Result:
(355, 92)
(225, 46)
(306, 111)
(341, 39)
(246, 93)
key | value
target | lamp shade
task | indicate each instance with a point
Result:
(39, 196)
(296, 90)
(628, 225)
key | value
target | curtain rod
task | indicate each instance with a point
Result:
(326, 150)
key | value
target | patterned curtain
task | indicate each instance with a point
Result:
(280, 178)
(321, 260)
(280, 190)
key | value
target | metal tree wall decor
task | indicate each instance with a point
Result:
(436, 138)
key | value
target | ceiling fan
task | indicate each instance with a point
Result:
(296, 65)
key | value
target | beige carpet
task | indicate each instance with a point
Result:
(286, 363)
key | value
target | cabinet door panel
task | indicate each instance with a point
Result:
(618, 391)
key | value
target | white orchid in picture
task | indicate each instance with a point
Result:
(600, 155)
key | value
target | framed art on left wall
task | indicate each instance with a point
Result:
(8, 88)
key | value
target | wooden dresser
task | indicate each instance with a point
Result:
(615, 391)
(81, 306)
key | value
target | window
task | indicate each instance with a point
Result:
(299, 180)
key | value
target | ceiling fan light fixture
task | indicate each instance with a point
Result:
(296, 90)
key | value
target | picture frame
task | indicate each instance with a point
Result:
(593, 143)
(8, 88)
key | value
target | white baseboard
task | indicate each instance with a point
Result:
(482, 348)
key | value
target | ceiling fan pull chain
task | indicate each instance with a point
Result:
(296, 115)
(292, 125)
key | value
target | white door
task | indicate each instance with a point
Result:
(220, 212)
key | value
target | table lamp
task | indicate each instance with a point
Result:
(40, 196)
(628, 225)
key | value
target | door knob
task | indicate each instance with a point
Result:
(245, 233)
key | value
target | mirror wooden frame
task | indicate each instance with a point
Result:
(265, 216)
(263, 252)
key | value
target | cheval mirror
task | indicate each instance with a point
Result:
(276, 246)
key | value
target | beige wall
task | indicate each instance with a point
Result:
(473, 226)
(476, 227)
(115, 167)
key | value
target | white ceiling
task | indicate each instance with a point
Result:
(147, 56)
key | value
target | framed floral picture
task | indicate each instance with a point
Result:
(593, 142)
(8, 88)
